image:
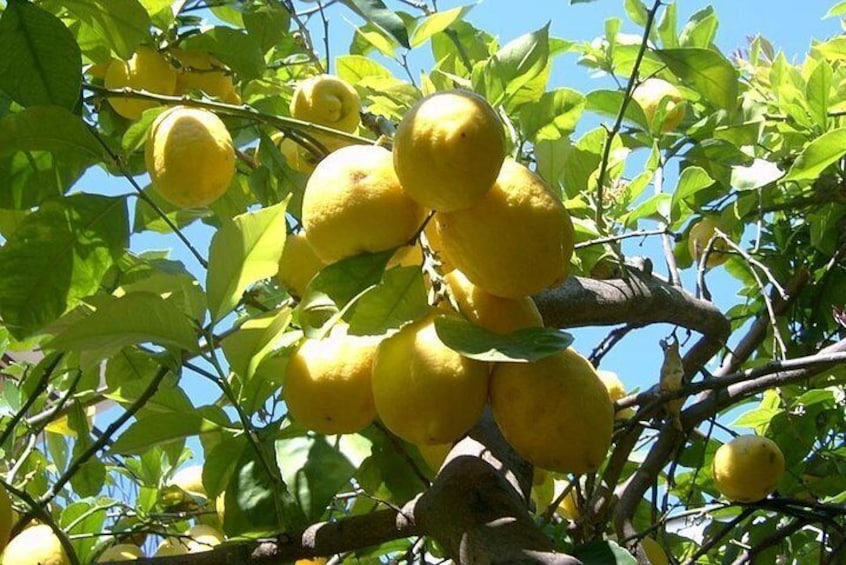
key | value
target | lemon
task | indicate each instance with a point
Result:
(554, 412)
(145, 70)
(121, 552)
(203, 538)
(435, 455)
(190, 157)
(7, 517)
(220, 506)
(748, 468)
(697, 242)
(314, 561)
(649, 95)
(433, 238)
(500, 315)
(353, 204)
(297, 156)
(200, 71)
(569, 505)
(190, 479)
(425, 392)
(328, 101)
(616, 390)
(37, 545)
(532, 254)
(298, 264)
(171, 546)
(654, 552)
(327, 385)
(448, 150)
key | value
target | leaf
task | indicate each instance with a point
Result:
(709, 72)
(436, 23)
(757, 175)
(41, 62)
(656, 207)
(162, 428)
(252, 342)
(609, 102)
(603, 553)
(691, 181)
(91, 477)
(818, 155)
(514, 66)
(232, 47)
(121, 24)
(266, 24)
(29, 178)
(637, 12)
(375, 12)
(399, 298)
(243, 251)
(220, 464)
(130, 372)
(701, 29)
(553, 116)
(529, 344)
(354, 68)
(818, 92)
(48, 128)
(837, 10)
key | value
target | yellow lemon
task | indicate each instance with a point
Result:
(297, 156)
(425, 392)
(190, 479)
(190, 157)
(531, 255)
(554, 412)
(298, 264)
(649, 95)
(654, 552)
(7, 517)
(616, 390)
(314, 561)
(201, 71)
(327, 384)
(145, 70)
(172, 546)
(500, 315)
(748, 468)
(328, 101)
(448, 150)
(435, 455)
(37, 545)
(353, 204)
(220, 506)
(203, 538)
(569, 505)
(121, 552)
(697, 242)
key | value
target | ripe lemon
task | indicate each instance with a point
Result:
(569, 505)
(425, 392)
(327, 100)
(649, 95)
(554, 412)
(297, 156)
(616, 390)
(37, 545)
(200, 71)
(500, 315)
(298, 264)
(203, 538)
(190, 479)
(516, 241)
(7, 517)
(654, 552)
(748, 468)
(145, 70)
(327, 387)
(121, 552)
(435, 455)
(697, 242)
(190, 157)
(171, 546)
(448, 150)
(353, 204)
(314, 561)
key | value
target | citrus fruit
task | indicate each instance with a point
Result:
(651, 94)
(190, 479)
(448, 150)
(530, 256)
(189, 156)
(298, 264)
(435, 455)
(327, 384)
(748, 468)
(555, 412)
(297, 156)
(121, 552)
(569, 505)
(172, 546)
(353, 204)
(328, 101)
(654, 552)
(499, 315)
(7, 517)
(616, 390)
(698, 237)
(201, 71)
(145, 70)
(314, 561)
(425, 392)
(37, 545)
(203, 538)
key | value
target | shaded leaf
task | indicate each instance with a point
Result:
(48, 128)
(603, 553)
(151, 431)
(399, 298)
(377, 13)
(121, 24)
(246, 348)
(529, 344)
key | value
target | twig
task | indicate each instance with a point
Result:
(711, 543)
(666, 240)
(613, 238)
(612, 339)
(42, 385)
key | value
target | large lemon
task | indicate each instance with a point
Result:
(190, 479)
(298, 264)
(554, 412)
(448, 150)
(7, 517)
(145, 70)
(190, 157)
(200, 71)
(697, 242)
(327, 387)
(651, 93)
(516, 241)
(37, 545)
(327, 100)
(425, 392)
(121, 552)
(353, 204)
(500, 315)
(748, 468)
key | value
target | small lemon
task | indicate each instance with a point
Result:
(327, 384)
(531, 255)
(425, 392)
(649, 95)
(654, 552)
(616, 391)
(448, 150)
(555, 412)
(297, 156)
(499, 315)
(145, 70)
(748, 468)
(190, 157)
(201, 71)
(203, 538)
(569, 505)
(327, 100)
(7, 517)
(353, 204)
(298, 264)
(37, 545)
(698, 237)
(190, 479)
(121, 552)
(172, 546)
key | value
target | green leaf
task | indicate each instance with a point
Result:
(436, 23)
(603, 553)
(354, 68)
(121, 24)
(666, 28)
(130, 372)
(267, 24)
(375, 12)
(29, 178)
(243, 251)
(554, 116)
(656, 207)
(691, 181)
(84, 517)
(237, 50)
(253, 341)
(637, 12)
(399, 298)
(514, 66)
(757, 175)
(91, 477)
(709, 72)
(48, 128)
(701, 29)
(529, 344)
(608, 102)
(818, 155)
(757, 419)
(41, 62)
(818, 93)
(837, 10)
(220, 464)
(162, 428)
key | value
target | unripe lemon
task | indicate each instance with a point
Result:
(327, 100)
(172, 546)
(201, 71)
(37, 545)
(327, 384)
(7, 517)
(121, 552)
(654, 552)
(190, 479)
(435, 455)
(298, 264)
(145, 70)
(649, 95)
(425, 392)
(499, 315)
(748, 468)
(528, 257)
(616, 390)
(203, 538)
(190, 157)
(697, 242)
(353, 204)
(448, 150)
(554, 412)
